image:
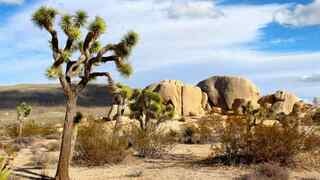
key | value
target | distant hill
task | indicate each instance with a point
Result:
(94, 95)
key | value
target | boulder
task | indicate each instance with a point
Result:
(192, 100)
(222, 91)
(281, 102)
(186, 99)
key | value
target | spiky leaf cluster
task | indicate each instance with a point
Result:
(98, 25)
(24, 110)
(149, 103)
(53, 72)
(4, 171)
(124, 48)
(125, 69)
(125, 91)
(95, 47)
(71, 24)
(44, 17)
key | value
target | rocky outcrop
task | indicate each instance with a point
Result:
(186, 99)
(223, 91)
(280, 102)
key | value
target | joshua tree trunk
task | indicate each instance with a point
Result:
(67, 139)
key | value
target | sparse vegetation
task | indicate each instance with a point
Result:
(23, 111)
(247, 141)
(151, 143)
(267, 171)
(96, 146)
(4, 170)
(74, 75)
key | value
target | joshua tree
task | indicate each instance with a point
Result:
(148, 105)
(120, 95)
(75, 74)
(23, 111)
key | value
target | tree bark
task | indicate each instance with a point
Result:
(67, 138)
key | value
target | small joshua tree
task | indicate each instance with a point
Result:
(75, 74)
(23, 111)
(148, 105)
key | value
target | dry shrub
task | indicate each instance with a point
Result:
(43, 159)
(97, 146)
(268, 171)
(245, 142)
(151, 142)
(190, 134)
(31, 128)
(53, 146)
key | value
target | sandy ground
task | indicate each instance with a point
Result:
(180, 165)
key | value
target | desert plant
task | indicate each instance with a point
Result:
(78, 73)
(95, 145)
(147, 106)
(4, 170)
(245, 141)
(23, 111)
(151, 142)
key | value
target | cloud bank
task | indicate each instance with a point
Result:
(13, 2)
(300, 15)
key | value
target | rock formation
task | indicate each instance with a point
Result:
(280, 102)
(186, 99)
(223, 91)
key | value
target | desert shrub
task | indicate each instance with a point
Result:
(316, 117)
(96, 145)
(43, 159)
(208, 128)
(31, 128)
(244, 141)
(190, 134)
(268, 171)
(150, 142)
(53, 146)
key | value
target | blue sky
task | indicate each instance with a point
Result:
(274, 43)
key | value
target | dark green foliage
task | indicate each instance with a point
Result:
(147, 105)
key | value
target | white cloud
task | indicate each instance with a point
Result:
(167, 43)
(194, 9)
(11, 1)
(300, 15)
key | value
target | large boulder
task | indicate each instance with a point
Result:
(280, 101)
(222, 91)
(186, 99)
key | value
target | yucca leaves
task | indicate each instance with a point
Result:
(81, 18)
(44, 17)
(92, 52)
(4, 171)
(98, 25)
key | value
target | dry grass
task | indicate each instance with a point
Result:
(267, 172)
(96, 145)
